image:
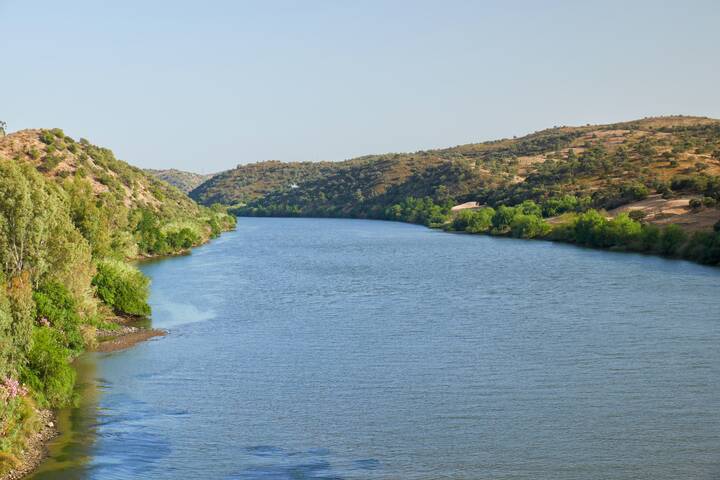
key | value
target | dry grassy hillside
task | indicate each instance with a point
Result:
(59, 157)
(183, 181)
(612, 165)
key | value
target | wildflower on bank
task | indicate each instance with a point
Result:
(10, 389)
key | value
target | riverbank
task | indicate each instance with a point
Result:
(36, 449)
(468, 358)
(123, 332)
(127, 334)
(691, 234)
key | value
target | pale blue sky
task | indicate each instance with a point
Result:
(206, 85)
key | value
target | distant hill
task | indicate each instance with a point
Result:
(612, 165)
(250, 182)
(185, 181)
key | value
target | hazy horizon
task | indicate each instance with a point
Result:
(203, 88)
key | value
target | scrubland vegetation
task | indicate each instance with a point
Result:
(72, 216)
(587, 227)
(183, 181)
(555, 184)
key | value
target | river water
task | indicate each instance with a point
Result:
(349, 349)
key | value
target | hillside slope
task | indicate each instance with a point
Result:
(71, 216)
(182, 180)
(249, 182)
(611, 164)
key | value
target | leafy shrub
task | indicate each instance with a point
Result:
(635, 191)
(637, 215)
(123, 287)
(621, 231)
(48, 372)
(703, 247)
(528, 226)
(55, 306)
(49, 163)
(473, 221)
(47, 137)
(528, 207)
(182, 239)
(589, 228)
(671, 239)
(650, 238)
(502, 218)
(692, 183)
(556, 206)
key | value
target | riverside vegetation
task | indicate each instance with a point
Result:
(72, 216)
(588, 185)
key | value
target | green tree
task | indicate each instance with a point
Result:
(622, 231)
(528, 226)
(122, 287)
(502, 218)
(589, 228)
(671, 239)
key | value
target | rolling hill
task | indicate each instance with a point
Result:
(609, 165)
(183, 181)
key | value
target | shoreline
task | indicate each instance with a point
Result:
(37, 448)
(127, 336)
(612, 249)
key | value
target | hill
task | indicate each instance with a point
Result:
(71, 218)
(183, 181)
(650, 185)
(608, 163)
(246, 183)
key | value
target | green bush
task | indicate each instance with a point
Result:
(47, 137)
(589, 228)
(650, 238)
(502, 218)
(671, 239)
(528, 226)
(47, 371)
(54, 305)
(637, 215)
(181, 239)
(703, 247)
(473, 221)
(123, 287)
(622, 231)
(49, 163)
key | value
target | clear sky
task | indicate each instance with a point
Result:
(205, 85)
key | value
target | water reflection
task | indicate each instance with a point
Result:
(71, 452)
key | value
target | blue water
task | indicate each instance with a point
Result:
(317, 348)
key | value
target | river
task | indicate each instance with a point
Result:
(350, 349)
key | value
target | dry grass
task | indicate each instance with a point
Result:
(661, 211)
